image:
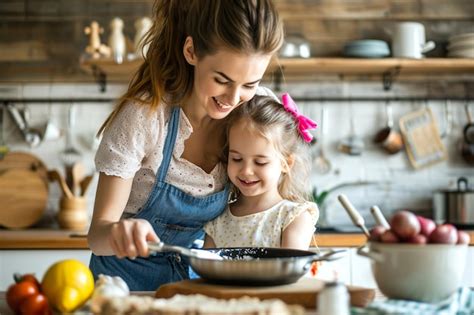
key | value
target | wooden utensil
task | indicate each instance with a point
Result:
(54, 175)
(85, 184)
(304, 292)
(24, 198)
(355, 216)
(77, 174)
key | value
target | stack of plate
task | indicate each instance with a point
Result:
(367, 48)
(461, 46)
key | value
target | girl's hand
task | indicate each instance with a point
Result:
(128, 238)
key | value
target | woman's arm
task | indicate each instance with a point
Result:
(299, 233)
(108, 235)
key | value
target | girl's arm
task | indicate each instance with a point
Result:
(209, 242)
(108, 235)
(299, 233)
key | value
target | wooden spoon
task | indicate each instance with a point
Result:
(78, 173)
(85, 184)
(54, 175)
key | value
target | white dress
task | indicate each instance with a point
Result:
(262, 229)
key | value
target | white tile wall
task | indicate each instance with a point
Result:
(399, 185)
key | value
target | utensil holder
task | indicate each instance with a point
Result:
(72, 213)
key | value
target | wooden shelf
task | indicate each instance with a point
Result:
(376, 66)
(107, 69)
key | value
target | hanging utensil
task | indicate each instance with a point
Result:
(390, 139)
(70, 154)
(352, 145)
(31, 137)
(356, 218)
(467, 149)
(320, 162)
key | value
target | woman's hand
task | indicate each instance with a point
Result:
(129, 237)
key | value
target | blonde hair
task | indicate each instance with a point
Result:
(249, 26)
(268, 117)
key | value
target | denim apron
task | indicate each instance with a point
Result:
(176, 217)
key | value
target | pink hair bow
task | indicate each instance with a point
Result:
(304, 123)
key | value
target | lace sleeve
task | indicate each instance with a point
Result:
(293, 213)
(125, 142)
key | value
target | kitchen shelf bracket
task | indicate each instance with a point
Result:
(100, 78)
(388, 77)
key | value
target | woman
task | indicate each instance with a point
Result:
(160, 175)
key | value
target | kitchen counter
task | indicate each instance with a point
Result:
(62, 239)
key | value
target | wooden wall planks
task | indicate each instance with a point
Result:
(48, 34)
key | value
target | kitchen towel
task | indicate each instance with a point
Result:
(460, 303)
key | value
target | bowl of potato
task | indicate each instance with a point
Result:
(415, 259)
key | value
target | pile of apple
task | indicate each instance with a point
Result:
(406, 227)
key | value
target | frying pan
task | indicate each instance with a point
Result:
(251, 266)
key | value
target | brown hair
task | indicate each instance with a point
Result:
(250, 26)
(269, 118)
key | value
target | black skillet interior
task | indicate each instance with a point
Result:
(242, 253)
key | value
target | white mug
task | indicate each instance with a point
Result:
(409, 41)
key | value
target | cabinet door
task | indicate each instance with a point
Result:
(34, 261)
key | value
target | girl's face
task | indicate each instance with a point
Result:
(254, 165)
(224, 80)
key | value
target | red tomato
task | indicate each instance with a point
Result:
(35, 305)
(18, 292)
(27, 277)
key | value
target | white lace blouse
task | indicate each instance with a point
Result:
(262, 229)
(132, 147)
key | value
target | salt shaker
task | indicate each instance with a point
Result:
(333, 300)
(117, 42)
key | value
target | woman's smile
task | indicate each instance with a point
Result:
(221, 106)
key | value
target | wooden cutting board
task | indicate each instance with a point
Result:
(25, 161)
(304, 292)
(23, 198)
(422, 138)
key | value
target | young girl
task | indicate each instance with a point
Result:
(267, 151)
(159, 160)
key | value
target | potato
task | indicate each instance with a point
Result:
(444, 234)
(463, 238)
(389, 237)
(376, 233)
(426, 225)
(418, 239)
(405, 225)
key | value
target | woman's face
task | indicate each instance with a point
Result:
(225, 80)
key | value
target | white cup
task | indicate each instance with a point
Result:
(409, 40)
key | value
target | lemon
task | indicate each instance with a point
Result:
(68, 284)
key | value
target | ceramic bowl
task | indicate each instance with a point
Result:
(427, 273)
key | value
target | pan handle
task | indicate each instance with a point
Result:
(196, 253)
(372, 255)
(331, 255)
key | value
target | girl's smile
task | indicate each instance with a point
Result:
(254, 165)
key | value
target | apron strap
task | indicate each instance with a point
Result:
(169, 144)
